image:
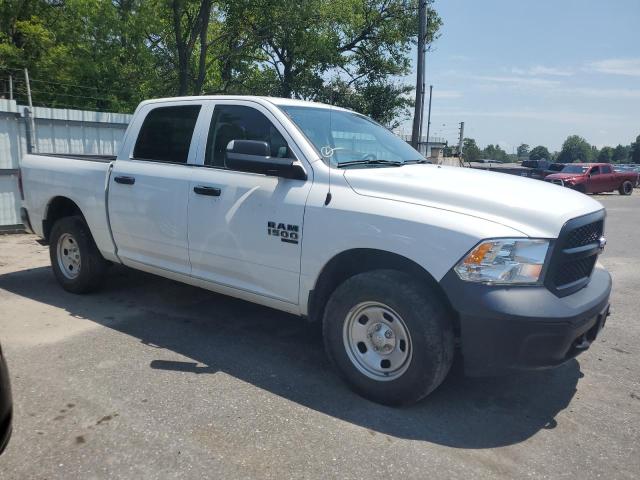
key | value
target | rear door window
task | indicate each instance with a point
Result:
(605, 168)
(238, 122)
(165, 135)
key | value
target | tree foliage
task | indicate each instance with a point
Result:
(635, 150)
(621, 153)
(523, 150)
(494, 152)
(110, 54)
(605, 155)
(575, 149)
(539, 153)
(470, 151)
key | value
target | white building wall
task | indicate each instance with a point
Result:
(57, 131)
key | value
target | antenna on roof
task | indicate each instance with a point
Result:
(327, 200)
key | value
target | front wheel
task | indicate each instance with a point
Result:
(626, 188)
(77, 264)
(389, 336)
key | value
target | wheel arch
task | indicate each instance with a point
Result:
(57, 208)
(360, 260)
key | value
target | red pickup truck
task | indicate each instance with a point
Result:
(594, 178)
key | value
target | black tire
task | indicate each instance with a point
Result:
(427, 321)
(90, 274)
(626, 188)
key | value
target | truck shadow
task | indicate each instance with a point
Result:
(284, 355)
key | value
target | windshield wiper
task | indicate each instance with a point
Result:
(418, 160)
(391, 163)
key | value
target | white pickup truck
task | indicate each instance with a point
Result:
(321, 212)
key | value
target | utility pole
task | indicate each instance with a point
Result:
(32, 123)
(429, 118)
(10, 87)
(419, 106)
(460, 144)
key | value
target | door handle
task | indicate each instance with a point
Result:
(210, 191)
(125, 180)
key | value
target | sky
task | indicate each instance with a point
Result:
(535, 72)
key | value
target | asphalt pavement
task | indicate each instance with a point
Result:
(152, 379)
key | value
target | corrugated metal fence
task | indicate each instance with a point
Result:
(56, 131)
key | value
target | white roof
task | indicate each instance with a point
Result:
(273, 100)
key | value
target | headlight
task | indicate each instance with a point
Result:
(506, 260)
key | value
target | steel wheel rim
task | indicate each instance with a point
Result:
(377, 341)
(69, 260)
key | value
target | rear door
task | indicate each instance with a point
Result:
(246, 229)
(608, 177)
(149, 190)
(597, 181)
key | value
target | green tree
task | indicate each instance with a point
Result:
(540, 153)
(620, 154)
(575, 149)
(110, 54)
(343, 51)
(89, 54)
(635, 150)
(523, 150)
(470, 151)
(384, 101)
(186, 41)
(605, 155)
(494, 152)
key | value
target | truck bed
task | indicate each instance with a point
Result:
(80, 178)
(77, 156)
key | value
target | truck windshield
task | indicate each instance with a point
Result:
(574, 169)
(342, 137)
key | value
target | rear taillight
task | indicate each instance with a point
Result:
(20, 187)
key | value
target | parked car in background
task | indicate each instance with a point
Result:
(541, 164)
(555, 167)
(594, 178)
(628, 168)
(539, 169)
(6, 404)
(487, 160)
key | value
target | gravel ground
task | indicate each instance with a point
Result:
(154, 379)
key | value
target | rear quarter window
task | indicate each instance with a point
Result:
(165, 135)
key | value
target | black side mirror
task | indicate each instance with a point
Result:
(255, 156)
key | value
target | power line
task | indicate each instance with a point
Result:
(51, 82)
(96, 89)
(56, 103)
(71, 95)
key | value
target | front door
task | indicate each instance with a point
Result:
(148, 194)
(597, 181)
(246, 229)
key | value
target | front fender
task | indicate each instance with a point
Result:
(433, 238)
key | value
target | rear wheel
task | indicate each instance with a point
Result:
(626, 188)
(389, 336)
(77, 264)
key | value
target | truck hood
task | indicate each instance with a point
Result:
(533, 207)
(563, 176)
